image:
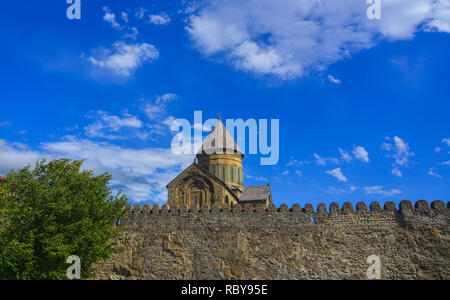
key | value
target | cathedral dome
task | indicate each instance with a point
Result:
(222, 157)
(219, 141)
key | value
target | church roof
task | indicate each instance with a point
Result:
(255, 193)
(205, 173)
(219, 141)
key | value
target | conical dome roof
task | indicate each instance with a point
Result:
(219, 141)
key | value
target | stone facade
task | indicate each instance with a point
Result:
(244, 242)
(196, 187)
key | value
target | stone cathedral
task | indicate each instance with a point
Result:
(217, 177)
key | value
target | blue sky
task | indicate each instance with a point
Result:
(363, 104)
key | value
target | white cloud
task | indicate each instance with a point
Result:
(299, 36)
(124, 17)
(153, 111)
(432, 173)
(334, 80)
(108, 126)
(298, 173)
(110, 18)
(132, 34)
(141, 173)
(125, 58)
(337, 173)
(257, 178)
(361, 154)
(344, 155)
(157, 109)
(446, 141)
(441, 17)
(140, 13)
(400, 151)
(13, 156)
(322, 161)
(446, 163)
(5, 124)
(166, 98)
(160, 19)
(396, 172)
(437, 149)
(296, 163)
(378, 190)
(336, 191)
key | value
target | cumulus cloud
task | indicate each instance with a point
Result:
(431, 172)
(299, 36)
(123, 59)
(257, 178)
(124, 17)
(108, 126)
(344, 155)
(297, 163)
(337, 173)
(396, 172)
(322, 161)
(160, 19)
(140, 13)
(399, 150)
(336, 191)
(141, 173)
(334, 80)
(157, 109)
(15, 156)
(446, 141)
(378, 190)
(361, 154)
(110, 18)
(166, 98)
(5, 124)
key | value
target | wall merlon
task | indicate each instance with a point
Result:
(361, 206)
(322, 208)
(406, 204)
(389, 206)
(438, 204)
(347, 207)
(334, 207)
(420, 207)
(375, 206)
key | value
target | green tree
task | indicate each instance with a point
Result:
(51, 212)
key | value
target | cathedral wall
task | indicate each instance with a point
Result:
(282, 243)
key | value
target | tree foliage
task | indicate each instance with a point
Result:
(52, 211)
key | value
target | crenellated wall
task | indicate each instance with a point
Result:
(244, 242)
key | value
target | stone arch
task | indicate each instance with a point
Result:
(198, 191)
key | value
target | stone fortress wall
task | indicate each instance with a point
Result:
(246, 242)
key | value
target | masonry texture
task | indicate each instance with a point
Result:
(245, 242)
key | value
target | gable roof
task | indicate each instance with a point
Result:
(219, 141)
(205, 173)
(255, 193)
